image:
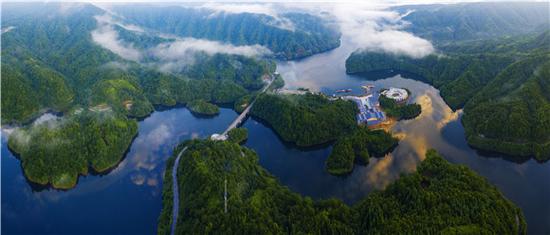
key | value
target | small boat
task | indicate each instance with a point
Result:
(343, 91)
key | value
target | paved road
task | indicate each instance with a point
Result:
(176, 196)
(176, 203)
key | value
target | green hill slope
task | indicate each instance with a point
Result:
(438, 198)
(496, 83)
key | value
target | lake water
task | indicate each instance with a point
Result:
(128, 199)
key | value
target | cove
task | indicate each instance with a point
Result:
(126, 200)
(525, 183)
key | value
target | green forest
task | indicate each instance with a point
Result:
(237, 135)
(443, 23)
(57, 151)
(202, 107)
(439, 198)
(306, 120)
(494, 81)
(399, 111)
(358, 147)
(99, 94)
(309, 34)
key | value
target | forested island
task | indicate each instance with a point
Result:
(399, 111)
(56, 152)
(306, 120)
(438, 198)
(494, 81)
(358, 147)
(203, 108)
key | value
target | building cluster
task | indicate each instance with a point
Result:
(397, 94)
(369, 110)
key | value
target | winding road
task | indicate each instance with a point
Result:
(175, 190)
(176, 198)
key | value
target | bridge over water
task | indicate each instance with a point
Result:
(242, 116)
(223, 136)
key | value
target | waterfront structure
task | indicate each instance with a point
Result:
(397, 94)
(369, 109)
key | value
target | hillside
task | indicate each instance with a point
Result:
(494, 82)
(50, 62)
(481, 20)
(258, 203)
(295, 35)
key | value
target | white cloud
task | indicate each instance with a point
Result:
(49, 119)
(7, 29)
(106, 36)
(171, 56)
(371, 26)
(176, 55)
(183, 47)
(367, 25)
(379, 30)
(260, 8)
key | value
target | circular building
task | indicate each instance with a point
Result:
(397, 94)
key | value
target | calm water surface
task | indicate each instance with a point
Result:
(128, 199)
(526, 183)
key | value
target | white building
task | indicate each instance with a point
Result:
(221, 137)
(397, 94)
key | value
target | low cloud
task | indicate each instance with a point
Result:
(267, 9)
(7, 29)
(181, 48)
(368, 26)
(48, 119)
(169, 56)
(106, 36)
(392, 41)
(374, 28)
(174, 56)
(24, 136)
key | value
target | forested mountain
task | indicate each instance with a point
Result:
(439, 198)
(50, 62)
(519, 96)
(293, 35)
(481, 20)
(495, 81)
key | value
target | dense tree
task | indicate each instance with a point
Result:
(123, 95)
(202, 107)
(358, 148)
(295, 35)
(237, 135)
(474, 21)
(308, 119)
(438, 198)
(399, 111)
(57, 151)
(50, 62)
(495, 81)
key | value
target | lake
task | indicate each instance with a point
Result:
(128, 199)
